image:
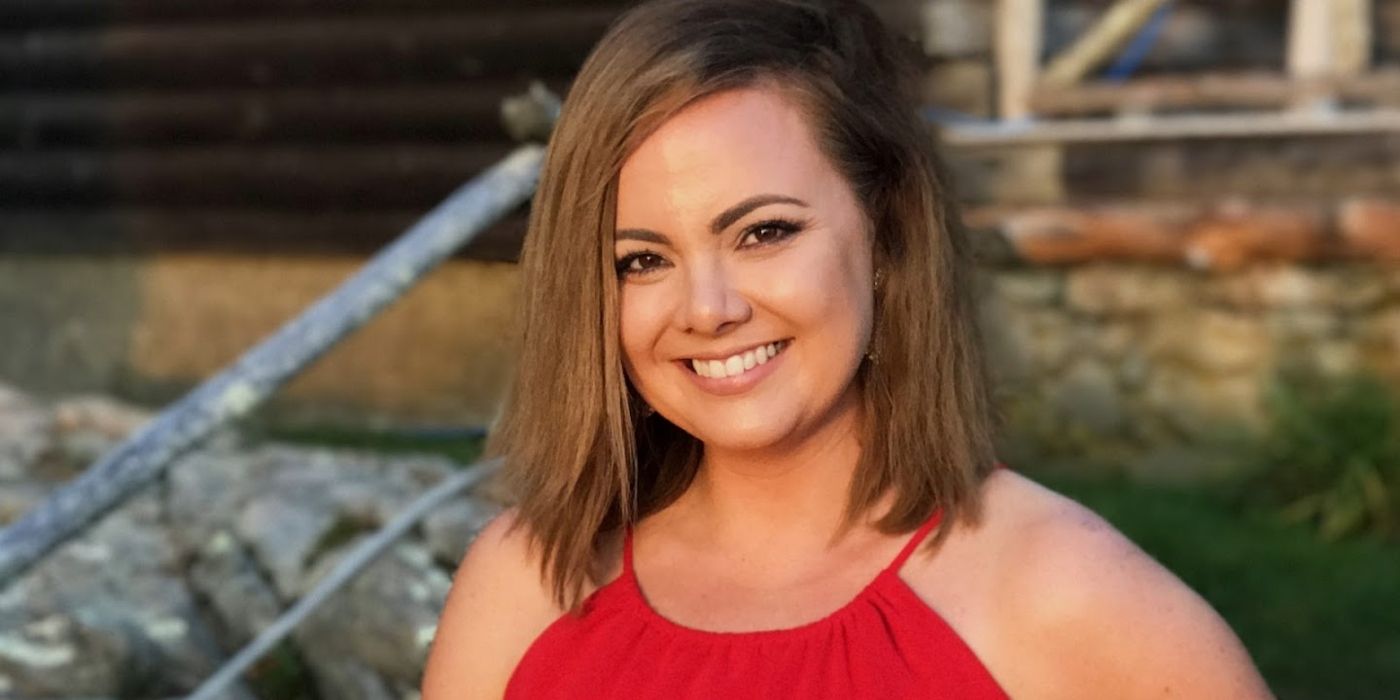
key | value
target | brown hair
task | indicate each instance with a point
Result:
(580, 460)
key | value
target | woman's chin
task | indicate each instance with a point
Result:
(742, 436)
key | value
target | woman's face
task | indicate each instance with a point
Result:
(744, 267)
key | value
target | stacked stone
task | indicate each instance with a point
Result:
(1161, 371)
(151, 600)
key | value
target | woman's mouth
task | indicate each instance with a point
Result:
(739, 363)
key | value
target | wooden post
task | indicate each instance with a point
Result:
(1310, 49)
(1351, 37)
(1019, 26)
(1113, 29)
(1024, 174)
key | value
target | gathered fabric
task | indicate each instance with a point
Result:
(885, 643)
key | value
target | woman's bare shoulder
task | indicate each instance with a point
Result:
(1091, 612)
(497, 606)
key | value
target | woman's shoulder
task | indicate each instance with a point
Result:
(497, 606)
(1080, 605)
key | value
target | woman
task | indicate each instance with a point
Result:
(749, 438)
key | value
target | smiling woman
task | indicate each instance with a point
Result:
(749, 441)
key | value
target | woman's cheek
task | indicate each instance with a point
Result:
(643, 319)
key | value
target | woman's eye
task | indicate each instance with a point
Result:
(638, 263)
(773, 231)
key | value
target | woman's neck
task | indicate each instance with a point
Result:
(793, 496)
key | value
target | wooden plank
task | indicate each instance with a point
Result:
(436, 113)
(1168, 127)
(291, 177)
(1211, 91)
(1019, 32)
(1220, 236)
(141, 230)
(22, 15)
(1112, 30)
(327, 51)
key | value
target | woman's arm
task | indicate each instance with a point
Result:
(1096, 617)
(495, 609)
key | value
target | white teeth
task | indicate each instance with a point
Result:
(737, 364)
(734, 365)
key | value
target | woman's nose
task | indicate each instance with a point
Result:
(713, 304)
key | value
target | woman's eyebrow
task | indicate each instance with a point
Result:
(725, 219)
(736, 212)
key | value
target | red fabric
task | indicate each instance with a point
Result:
(885, 643)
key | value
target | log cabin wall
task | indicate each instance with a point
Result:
(178, 179)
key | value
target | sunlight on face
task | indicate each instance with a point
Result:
(744, 267)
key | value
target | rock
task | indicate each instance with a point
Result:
(1209, 340)
(451, 527)
(1022, 344)
(99, 414)
(106, 611)
(1032, 286)
(386, 618)
(1088, 395)
(1106, 290)
(1205, 407)
(284, 530)
(227, 576)
(149, 599)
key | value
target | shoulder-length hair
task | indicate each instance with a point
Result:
(580, 459)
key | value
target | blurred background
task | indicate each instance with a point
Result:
(1187, 216)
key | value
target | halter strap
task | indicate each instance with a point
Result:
(915, 539)
(899, 559)
(627, 550)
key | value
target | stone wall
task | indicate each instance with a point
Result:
(1161, 372)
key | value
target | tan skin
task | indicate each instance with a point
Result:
(1052, 600)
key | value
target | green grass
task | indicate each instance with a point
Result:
(1322, 620)
(462, 446)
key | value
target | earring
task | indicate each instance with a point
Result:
(870, 352)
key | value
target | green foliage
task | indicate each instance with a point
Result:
(1331, 457)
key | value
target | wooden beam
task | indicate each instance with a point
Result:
(296, 177)
(1019, 28)
(1173, 127)
(222, 230)
(1113, 29)
(449, 113)
(1211, 91)
(313, 52)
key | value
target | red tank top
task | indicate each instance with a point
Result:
(885, 643)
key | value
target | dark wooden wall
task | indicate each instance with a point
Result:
(262, 125)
